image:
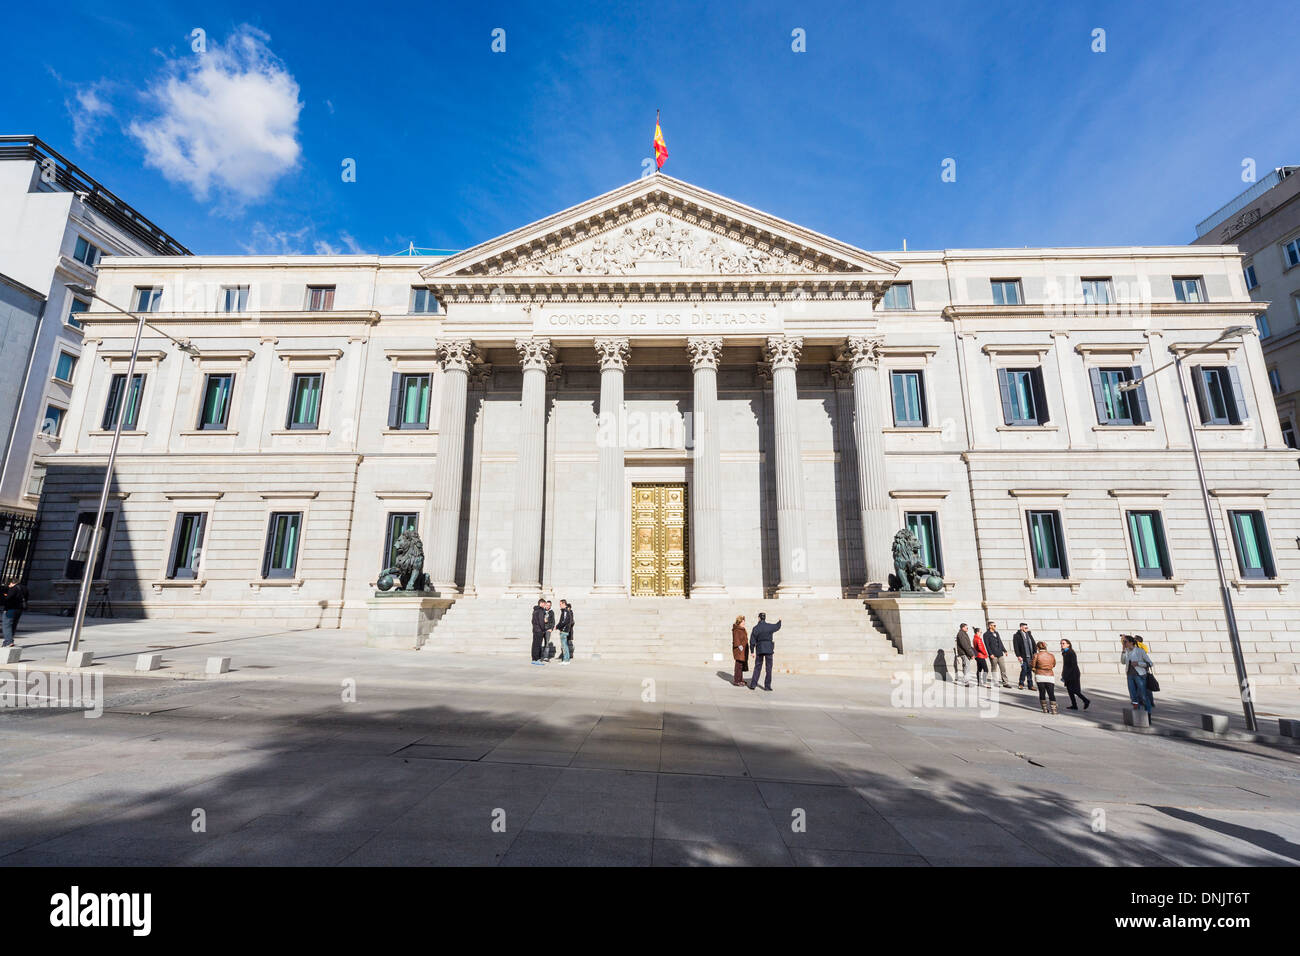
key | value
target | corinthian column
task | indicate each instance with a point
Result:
(706, 496)
(613, 355)
(455, 356)
(536, 357)
(783, 352)
(862, 352)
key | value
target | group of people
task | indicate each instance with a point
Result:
(545, 625)
(759, 643)
(14, 600)
(1038, 664)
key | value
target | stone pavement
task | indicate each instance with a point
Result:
(451, 759)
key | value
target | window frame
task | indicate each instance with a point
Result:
(894, 290)
(900, 374)
(1261, 323)
(327, 292)
(1268, 565)
(174, 571)
(416, 290)
(114, 398)
(224, 424)
(1103, 282)
(1037, 393)
(1040, 572)
(270, 573)
(87, 518)
(62, 413)
(241, 299)
(1165, 569)
(1291, 254)
(296, 377)
(397, 400)
(1135, 402)
(73, 302)
(94, 251)
(998, 286)
(1248, 273)
(71, 356)
(1180, 289)
(155, 293)
(1229, 387)
(937, 544)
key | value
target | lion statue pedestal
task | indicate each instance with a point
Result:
(404, 611)
(916, 612)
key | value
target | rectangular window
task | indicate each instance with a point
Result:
(1097, 292)
(320, 298)
(217, 389)
(925, 525)
(1292, 250)
(75, 308)
(234, 298)
(1146, 534)
(1219, 396)
(1261, 323)
(1007, 292)
(398, 521)
(1024, 401)
(148, 298)
(423, 301)
(1275, 381)
(1288, 434)
(1115, 407)
(1250, 538)
(909, 399)
(304, 400)
(1189, 289)
(408, 402)
(76, 566)
(114, 404)
(35, 482)
(87, 253)
(1047, 544)
(66, 365)
(898, 296)
(187, 545)
(1249, 273)
(53, 421)
(281, 557)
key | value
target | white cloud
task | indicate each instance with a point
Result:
(227, 119)
(349, 246)
(87, 107)
(265, 241)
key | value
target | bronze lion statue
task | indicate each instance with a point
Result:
(409, 569)
(910, 573)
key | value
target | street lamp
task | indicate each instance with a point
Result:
(88, 573)
(1238, 660)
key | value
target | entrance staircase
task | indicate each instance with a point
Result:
(818, 636)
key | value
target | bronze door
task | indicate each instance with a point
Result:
(659, 522)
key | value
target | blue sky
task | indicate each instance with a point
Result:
(240, 149)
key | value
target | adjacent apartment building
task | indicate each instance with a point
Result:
(1264, 223)
(56, 224)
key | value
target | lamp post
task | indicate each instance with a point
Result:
(1234, 638)
(92, 557)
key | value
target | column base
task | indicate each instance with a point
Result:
(707, 591)
(794, 591)
(533, 591)
(610, 590)
(444, 589)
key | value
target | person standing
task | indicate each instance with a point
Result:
(739, 650)
(964, 654)
(539, 632)
(764, 647)
(1137, 665)
(15, 602)
(997, 652)
(1025, 647)
(1070, 676)
(565, 629)
(548, 646)
(1043, 665)
(981, 660)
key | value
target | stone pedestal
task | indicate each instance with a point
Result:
(918, 625)
(402, 621)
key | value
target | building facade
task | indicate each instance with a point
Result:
(1264, 223)
(662, 395)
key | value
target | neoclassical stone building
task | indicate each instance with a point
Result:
(664, 396)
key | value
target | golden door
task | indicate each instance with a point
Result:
(659, 540)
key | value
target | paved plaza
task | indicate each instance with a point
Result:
(317, 750)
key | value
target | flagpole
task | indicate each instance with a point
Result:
(654, 149)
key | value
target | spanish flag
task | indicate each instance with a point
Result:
(661, 148)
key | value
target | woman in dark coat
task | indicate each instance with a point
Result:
(1070, 675)
(739, 650)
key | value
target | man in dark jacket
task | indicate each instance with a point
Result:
(15, 602)
(1024, 646)
(762, 644)
(539, 632)
(964, 655)
(565, 629)
(997, 652)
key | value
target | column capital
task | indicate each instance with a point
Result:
(480, 376)
(612, 354)
(705, 352)
(862, 351)
(535, 354)
(784, 351)
(457, 354)
(841, 374)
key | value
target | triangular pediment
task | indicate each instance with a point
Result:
(660, 227)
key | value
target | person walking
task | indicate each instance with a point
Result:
(981, 660)
(963, 655)
(1043, 665)
(565, 629)
(764, 647)
(1070, 676)
(997, 652)
(539, 632)
(739, 650)
(1025, 646)
(1137, 665)
(15, 602)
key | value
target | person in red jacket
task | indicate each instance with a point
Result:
(981, 658)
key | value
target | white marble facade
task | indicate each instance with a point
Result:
(663, 333)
